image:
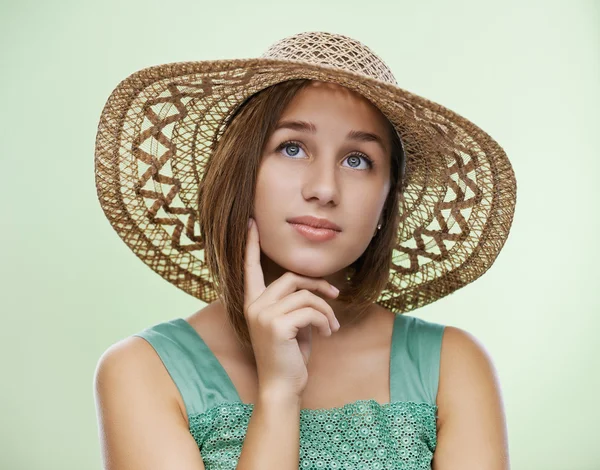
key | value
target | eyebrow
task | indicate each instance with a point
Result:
(304, 126)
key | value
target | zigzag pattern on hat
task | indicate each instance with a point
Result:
(157, 128)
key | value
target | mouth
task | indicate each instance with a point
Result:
(315, 222)
(314, 233)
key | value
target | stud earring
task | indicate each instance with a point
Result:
(379, 227)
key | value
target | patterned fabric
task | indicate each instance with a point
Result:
(360, 435)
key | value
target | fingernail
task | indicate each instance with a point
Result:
(335, 289)
(337, 323)
(249, 222)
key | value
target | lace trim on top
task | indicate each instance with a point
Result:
(360, 435)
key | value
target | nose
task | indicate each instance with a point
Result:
(321, 181)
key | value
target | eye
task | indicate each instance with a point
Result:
(355, 157)
(292, 148)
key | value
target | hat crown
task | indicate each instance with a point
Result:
(332, 50)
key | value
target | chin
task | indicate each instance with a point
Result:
(316, 262)
(310, 266)
(309, 271)
(302, 263)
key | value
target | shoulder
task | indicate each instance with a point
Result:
(139, 420)
(471, 425)
(464, 363)
(120, 357)
(128, 369)
(463, 358)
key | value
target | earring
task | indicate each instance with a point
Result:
(379, 227)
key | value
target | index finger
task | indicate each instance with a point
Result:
(254, 281)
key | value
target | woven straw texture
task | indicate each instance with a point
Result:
(158, 125)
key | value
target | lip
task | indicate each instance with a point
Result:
(315, 234)
(315, 222)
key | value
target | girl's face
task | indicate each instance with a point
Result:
(329, 157)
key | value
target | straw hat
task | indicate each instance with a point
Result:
(157, 129)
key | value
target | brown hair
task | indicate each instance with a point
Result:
(226, 197)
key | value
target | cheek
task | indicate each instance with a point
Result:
(273, 188)
(367, 206)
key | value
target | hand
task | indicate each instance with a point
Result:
(280, 319)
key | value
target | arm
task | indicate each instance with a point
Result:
(273, 437)
(140, 424)
(471, 427)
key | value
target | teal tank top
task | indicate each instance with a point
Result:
(359, 435)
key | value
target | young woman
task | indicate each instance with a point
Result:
(323, 202)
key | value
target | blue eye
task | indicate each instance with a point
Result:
(290, 145)
(294, 148)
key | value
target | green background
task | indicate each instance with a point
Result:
(528, 73)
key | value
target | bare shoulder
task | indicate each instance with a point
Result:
(139, 418)
(471, 426)
(464, 361)
(134, 362)
(461, 349)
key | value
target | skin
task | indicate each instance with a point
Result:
(321, 174)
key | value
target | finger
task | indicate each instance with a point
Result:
(305, 298)
(290, 324)
(254, 281)
(291, 282)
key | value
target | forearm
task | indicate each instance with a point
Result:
(273, 436)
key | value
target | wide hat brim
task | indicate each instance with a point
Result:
(158, 126)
